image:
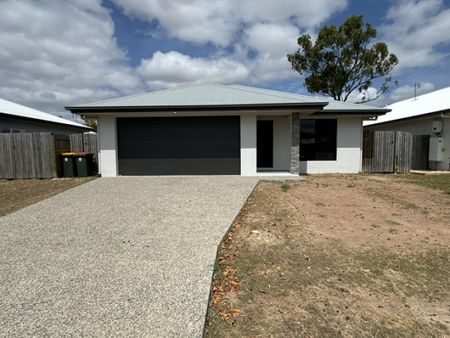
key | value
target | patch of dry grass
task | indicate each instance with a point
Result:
(16, 194)
(357, 272)
(435, 181)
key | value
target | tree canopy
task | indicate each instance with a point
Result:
(342, 60)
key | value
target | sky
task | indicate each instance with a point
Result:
(57, 53)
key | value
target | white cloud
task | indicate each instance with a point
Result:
(271, 42)
(194, 21)
(57, 53)
(415, 30)
(261, 33)
(306, 14)
(218, 22)
(397, 94)
(366, 95)
(407, 91)
(272, 39)
(164, 70)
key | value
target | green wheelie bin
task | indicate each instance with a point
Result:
(69, 168)
(84, 163)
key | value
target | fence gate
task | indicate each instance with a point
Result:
(387, 151)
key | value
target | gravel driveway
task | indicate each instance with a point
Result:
(125, 256)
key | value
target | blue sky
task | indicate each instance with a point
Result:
(57, 53)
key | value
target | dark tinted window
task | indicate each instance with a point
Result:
(318, 140)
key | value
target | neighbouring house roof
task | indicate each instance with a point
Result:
(436, 101)
(209, 96)
(12, 109)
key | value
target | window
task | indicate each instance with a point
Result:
(318, 140)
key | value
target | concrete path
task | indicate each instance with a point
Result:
(126, 256)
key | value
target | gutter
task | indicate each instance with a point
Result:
(442, 114)
(223, 107)
(370, 112)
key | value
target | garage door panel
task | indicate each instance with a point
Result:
(179, 145)
(180, 166)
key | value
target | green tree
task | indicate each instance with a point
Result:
(90, 122)
(342, 60)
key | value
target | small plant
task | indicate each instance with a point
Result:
(375, 225)
(320, 204)
(285, 187)
(392, 222)
(409, 205)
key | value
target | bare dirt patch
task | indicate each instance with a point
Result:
(341, 256)
(16, 194)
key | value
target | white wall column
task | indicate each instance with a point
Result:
(248, 144)
(107, 132)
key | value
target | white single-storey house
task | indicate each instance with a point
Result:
(427, 114)
(17, 118)
(227, 130)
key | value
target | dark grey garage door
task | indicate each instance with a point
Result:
(179, 145)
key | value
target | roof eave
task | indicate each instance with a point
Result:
(364, 112)
(409, 118)
(224, 107)
(44, 121)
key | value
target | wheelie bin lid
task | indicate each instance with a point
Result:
(78, 154)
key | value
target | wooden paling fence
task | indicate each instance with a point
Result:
(28, 155)
(84, 142)
(387, 151)
(36, 155)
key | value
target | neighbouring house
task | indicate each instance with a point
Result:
(227, 130)
(427, 114)
(16, 118)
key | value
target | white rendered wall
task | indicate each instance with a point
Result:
(107, 137)
(248, 144)
(348, 156)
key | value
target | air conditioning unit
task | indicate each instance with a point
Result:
(436, 127)
(436, 149)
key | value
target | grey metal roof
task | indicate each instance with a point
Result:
(332, 105)
(435, 101)
(220, 95)
(17, 110)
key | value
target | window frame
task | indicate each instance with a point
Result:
(314, 147)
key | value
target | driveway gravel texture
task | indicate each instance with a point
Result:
(124, 256)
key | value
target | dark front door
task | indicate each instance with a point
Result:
(264, 144)
(179, 145)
